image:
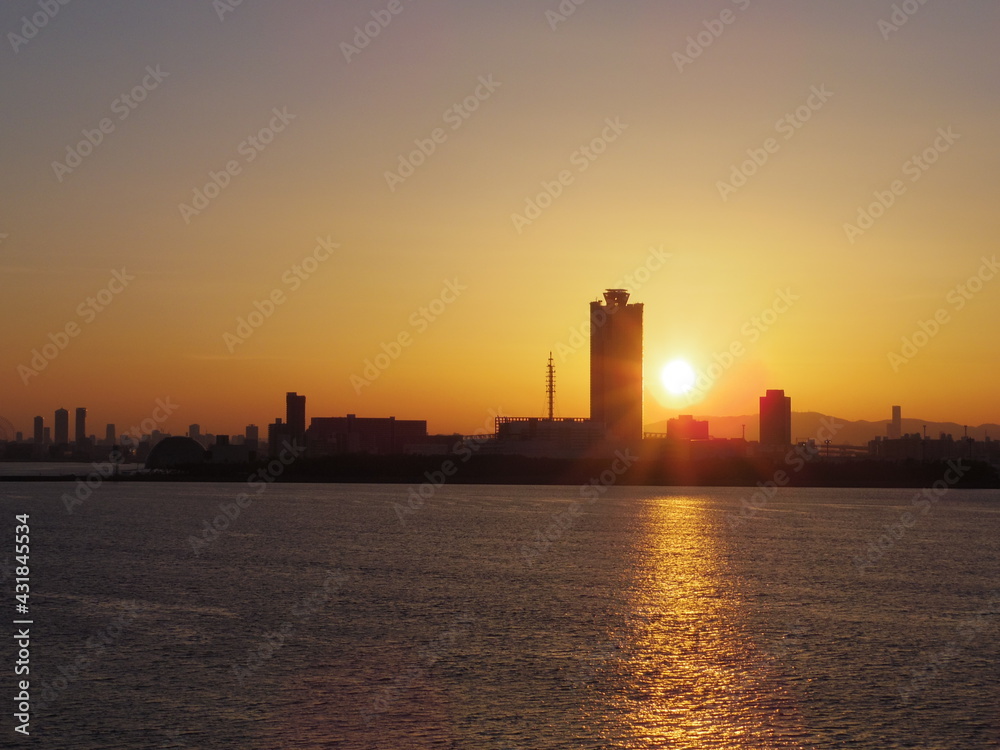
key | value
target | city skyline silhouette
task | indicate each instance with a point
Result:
(208, 231)
(614, 420)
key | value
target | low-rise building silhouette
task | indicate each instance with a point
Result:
(775, 420)
(329, 436)
(686, 427)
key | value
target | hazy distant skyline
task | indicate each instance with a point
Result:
(459, 187)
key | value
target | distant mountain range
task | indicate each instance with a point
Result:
(806, 425)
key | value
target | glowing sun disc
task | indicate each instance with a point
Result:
(678, 377)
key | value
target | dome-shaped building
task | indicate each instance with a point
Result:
(175, 453)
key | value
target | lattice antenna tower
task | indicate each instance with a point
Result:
(550, 386)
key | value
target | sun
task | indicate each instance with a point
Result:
(678, 377)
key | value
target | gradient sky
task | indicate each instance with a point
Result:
(656, 185)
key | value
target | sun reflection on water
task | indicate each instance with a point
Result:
(691, 675)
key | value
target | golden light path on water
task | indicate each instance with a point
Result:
(695, 678)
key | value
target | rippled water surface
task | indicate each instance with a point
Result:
(505, 618)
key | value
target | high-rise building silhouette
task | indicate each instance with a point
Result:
(62, 427)
(110, 434)
(616, 366)
(277, 433)
(775, 420)
(295, 416)
(894, 430)
(81, 426)
(39, 430)
(252, 436)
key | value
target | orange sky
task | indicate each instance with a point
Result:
(473, 161)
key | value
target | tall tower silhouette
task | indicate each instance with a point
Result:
(295, 415)
(62, 427)
(81, 427)
(895, 427)
(616, 366)
(550, 387)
